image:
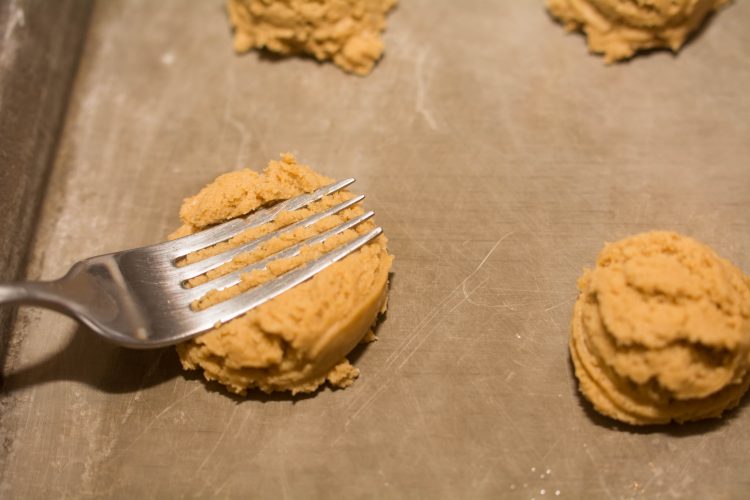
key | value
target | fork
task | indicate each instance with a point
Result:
(138, 298)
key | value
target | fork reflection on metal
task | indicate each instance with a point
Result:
(138, 298)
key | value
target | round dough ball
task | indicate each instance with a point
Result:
(620, 28)
(661, 331)
(344, 31)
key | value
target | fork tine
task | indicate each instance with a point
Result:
(195, 293)
(180, 247)
(229, 309)
(202, 266)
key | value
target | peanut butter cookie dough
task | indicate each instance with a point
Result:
(661, 331)
(298, 340)
(345, 31)
(620, 28)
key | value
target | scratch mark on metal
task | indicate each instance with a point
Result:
(421, 105)
(460, 286)
(468, 294)
(464, 283)
(237, 124)
(599, 476)
(383, 214)
(552, 448)
(421, 333)
(155, 418)
(130, 405)
(364, 405)
(218, 441)
(564, 302)
(685, 463)
(283, 473)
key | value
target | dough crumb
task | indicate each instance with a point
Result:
(342, 375)
(344, 31)
(298, 340)
(620, 28)
(661, 331)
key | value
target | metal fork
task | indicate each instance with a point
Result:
(138, 298)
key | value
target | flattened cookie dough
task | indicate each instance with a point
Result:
(661, 331)
(298, 340)
(620, 28)
(344, 31)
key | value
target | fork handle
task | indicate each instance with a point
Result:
(42, 293)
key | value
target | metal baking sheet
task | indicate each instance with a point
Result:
(498, 156)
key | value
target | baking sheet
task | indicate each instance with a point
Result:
(498, 157)
(39, 49)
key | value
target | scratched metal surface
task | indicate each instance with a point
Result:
(499, 157)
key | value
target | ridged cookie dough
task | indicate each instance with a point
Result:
(298, 340)
(344, 31)
(661, 331)
(620, 28)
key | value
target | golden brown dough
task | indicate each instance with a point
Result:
(298, 340)
(661, 331)
(344, 31)
(620, 28)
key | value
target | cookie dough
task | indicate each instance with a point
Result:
(620, 28)
(298, 340)
(345, 31)
(661, 331)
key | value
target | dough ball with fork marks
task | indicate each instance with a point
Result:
(298, 340)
